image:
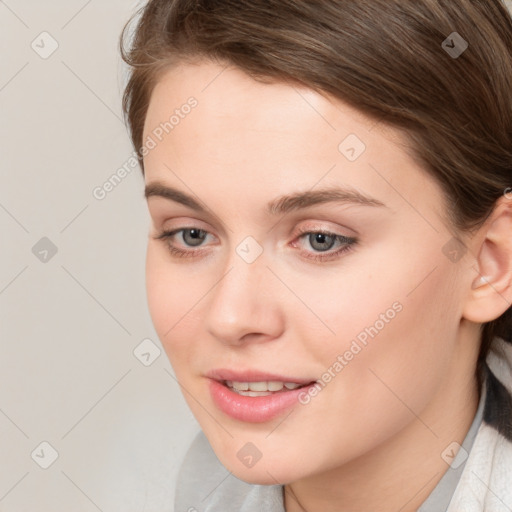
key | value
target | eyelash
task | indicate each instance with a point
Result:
(348, 244)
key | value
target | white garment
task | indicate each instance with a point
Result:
(486, 483)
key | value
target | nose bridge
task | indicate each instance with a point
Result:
(241, 302)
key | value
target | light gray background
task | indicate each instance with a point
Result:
(69, 325)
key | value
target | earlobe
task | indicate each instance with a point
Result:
(491, 290)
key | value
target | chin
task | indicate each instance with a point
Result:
(263, 472)
(262, 477)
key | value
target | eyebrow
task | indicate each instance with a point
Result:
(280, 205)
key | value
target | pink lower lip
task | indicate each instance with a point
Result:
(253, 409)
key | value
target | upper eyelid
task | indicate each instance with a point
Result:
(304, 212)
(308, 226)
(177, 231)
(327, 231)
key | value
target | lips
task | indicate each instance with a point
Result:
(254, 376)
(253, 396)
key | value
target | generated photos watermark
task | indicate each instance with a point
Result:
(357, 345)
(100, 192)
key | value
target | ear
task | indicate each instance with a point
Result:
(491, 290)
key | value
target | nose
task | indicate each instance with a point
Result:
(245, 305)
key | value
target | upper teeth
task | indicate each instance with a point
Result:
(271, 385)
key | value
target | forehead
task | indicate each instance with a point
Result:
(235, 115)
(224, 92)
(242, 132)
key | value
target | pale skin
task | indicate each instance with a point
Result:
(372, 439)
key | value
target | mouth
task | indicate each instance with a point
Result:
(262, 388)
(254, 397)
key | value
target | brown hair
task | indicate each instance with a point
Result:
(384, 57)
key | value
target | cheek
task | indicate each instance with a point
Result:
(398, 319)
(171, 296)
(407, 288)
(396, 347)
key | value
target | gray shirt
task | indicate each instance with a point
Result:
(204, 485)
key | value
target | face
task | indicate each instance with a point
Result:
(296, 274)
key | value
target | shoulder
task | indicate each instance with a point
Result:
(498, 407)
(205, 485)
(485, 481)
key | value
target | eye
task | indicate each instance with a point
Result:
(322, 242)
(319, 240)
(190, 237)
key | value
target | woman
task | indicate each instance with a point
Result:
(329, 266)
